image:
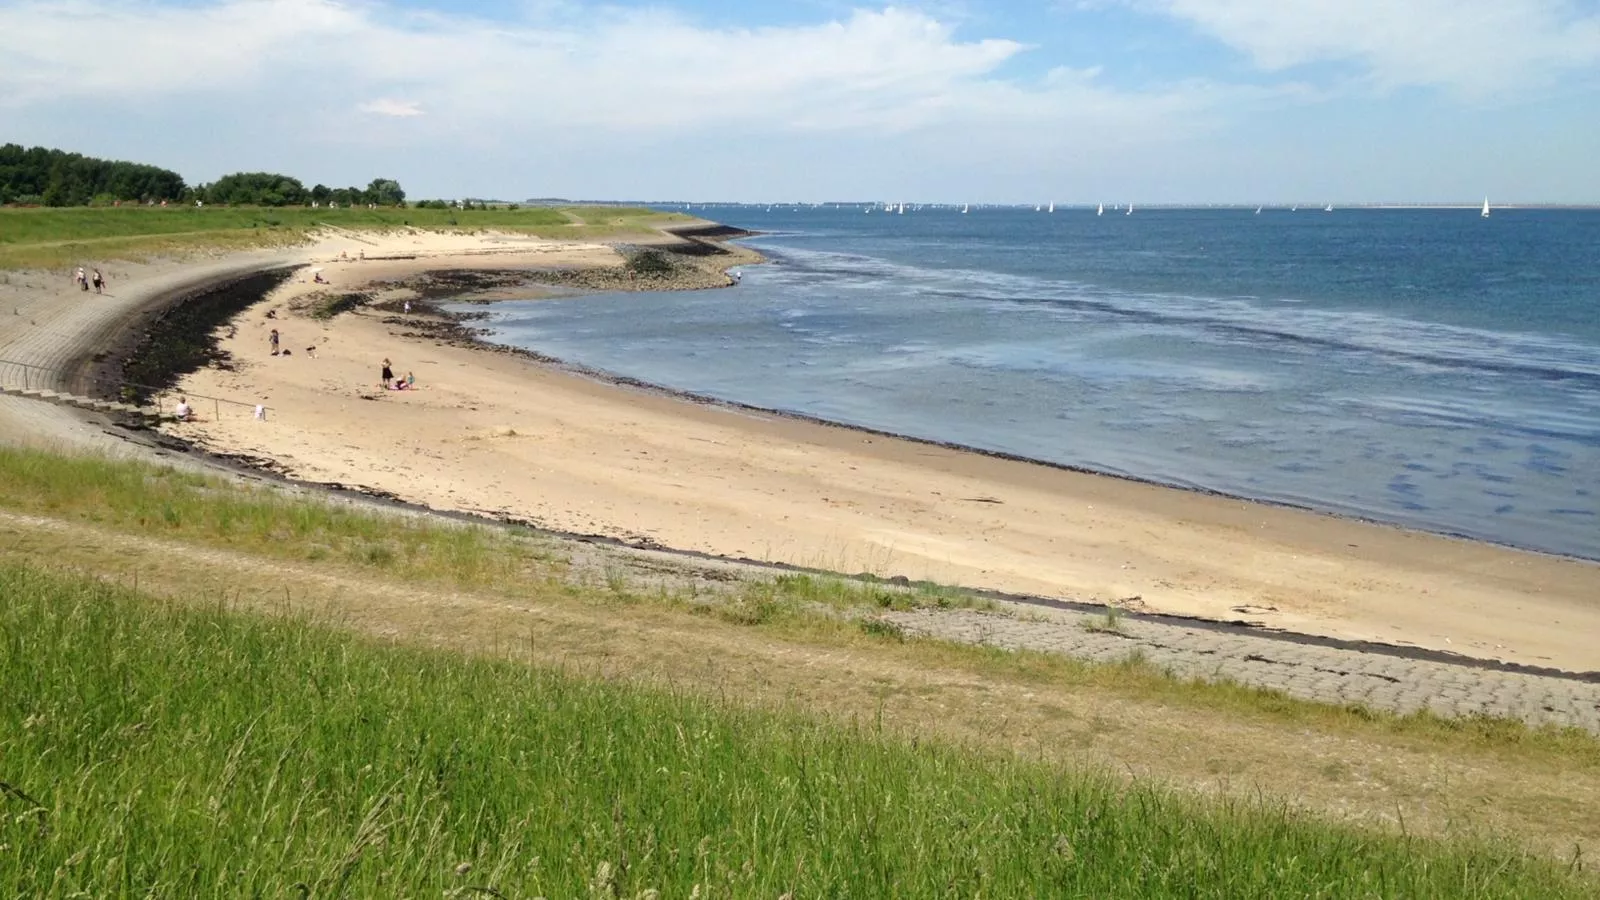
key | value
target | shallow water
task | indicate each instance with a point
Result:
(1422, 367)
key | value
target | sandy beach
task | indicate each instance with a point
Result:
(504, 435)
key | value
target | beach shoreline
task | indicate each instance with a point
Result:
(610, 456)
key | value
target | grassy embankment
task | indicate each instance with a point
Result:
(204, 752)
(53, 238)
(155, 750)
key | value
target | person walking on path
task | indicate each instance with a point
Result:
(81, 279)
(388, 373)
(99, 281)
(273, 339)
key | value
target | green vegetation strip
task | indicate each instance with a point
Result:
(201, 510)
(155, 750)
(49, 237)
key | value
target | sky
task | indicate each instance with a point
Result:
(1066, 101)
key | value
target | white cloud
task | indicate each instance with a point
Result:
(400, 109)
(1477, 47)
(892, 70)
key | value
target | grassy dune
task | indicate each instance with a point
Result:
(50, 238)
(153, 750)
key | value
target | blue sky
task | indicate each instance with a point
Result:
(1150, 101)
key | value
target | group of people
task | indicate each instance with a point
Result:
(84, 280)
(392, 383)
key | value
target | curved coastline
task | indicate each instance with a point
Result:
(608, 377)
(462, 333)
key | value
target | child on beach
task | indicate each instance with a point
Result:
(388, 373)
(273, 340)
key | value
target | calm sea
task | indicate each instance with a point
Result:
(1428, 368)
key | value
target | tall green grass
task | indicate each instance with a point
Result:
(151, 750)
(184, 505)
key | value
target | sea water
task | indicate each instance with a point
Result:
(1428, 368)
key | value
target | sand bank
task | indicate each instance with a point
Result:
(503, 435)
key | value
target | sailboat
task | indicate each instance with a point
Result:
(1258, 210)
(901, 211)
(1486, 207)
(1328, 208)
(1052, 206)
(965, 208)
(1130, 210)
(1100, 210)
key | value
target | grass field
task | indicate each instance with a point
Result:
(158, 750)
(51, 238)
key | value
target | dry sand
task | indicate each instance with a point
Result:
(500, 434)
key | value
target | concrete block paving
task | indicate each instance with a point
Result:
(1306, 671)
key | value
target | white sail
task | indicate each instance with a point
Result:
(1258, 210)
(1486, 207)
(965, 208)
(1328, 208)
(1100, 210)
(1052, 206)
(1130, 210)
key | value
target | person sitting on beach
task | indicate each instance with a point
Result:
(183, 413)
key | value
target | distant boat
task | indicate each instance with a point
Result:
(1038, 208)
(1486, 207)
(1130, 210)
(1258, 210)
(1100, 210)
(1052, 206)
(902, 210)
(1294, 209)
(1328, 208)
(965, 208)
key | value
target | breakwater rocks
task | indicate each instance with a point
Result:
(645, 268)
(179, 336)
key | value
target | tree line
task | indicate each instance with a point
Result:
(44, 177)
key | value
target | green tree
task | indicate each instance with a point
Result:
(59, 178)
(385, 192)
(256, 189)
